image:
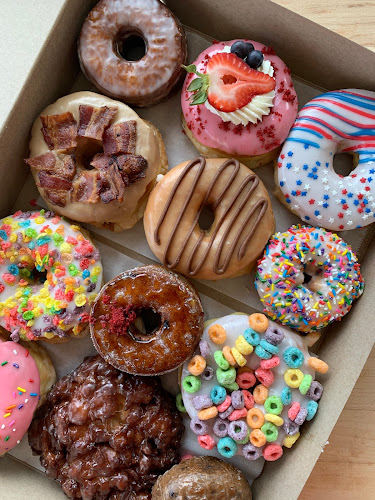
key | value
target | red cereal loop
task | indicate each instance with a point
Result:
(206, 442)
(246, 380)
(264, 376)
(249, 400)
(272, 452)
(237, 414)
(294, 410)
(71, 240)
(266, 364)
(225, 404)
(84, 264)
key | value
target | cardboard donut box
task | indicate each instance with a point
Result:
(38, 64)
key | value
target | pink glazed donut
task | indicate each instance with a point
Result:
(252, 133)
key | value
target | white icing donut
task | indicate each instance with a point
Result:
(308, 278)
(55, 305)
(287, 431)
(336, 122)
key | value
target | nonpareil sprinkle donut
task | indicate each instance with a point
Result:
(306, 182)
(308, 278)
(50, 273)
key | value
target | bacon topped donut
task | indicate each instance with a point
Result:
(94, 160)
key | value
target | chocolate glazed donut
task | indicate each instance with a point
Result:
(146, 321)
(114, 38)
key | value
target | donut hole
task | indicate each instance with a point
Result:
(306, 278)
(86, 150)
(130, 45)
(344, 164)
(206, 218)
(145, 325)
(39, 277)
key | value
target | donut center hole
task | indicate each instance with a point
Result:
(306, 278)
(85, 152)
(206, 218)
(131, 46)
(343, 164)
(147, 322)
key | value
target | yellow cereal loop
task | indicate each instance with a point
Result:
(13, 237)
(49, 302)
(240, 360)
(290, 440)
(80, 289)
(243, 346)
(8, 220)
(293, 378)
(96, 270)
(74, 227)
(80, 300)
(49, 335)
(44, 293)
(65, 247)
(274, 419)
(39, 220)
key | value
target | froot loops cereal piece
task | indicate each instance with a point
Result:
(308, 278)
(251, 411)
(50, 273)
(258, 322)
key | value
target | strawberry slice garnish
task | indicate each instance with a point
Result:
(233, 83)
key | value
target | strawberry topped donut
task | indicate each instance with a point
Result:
(238, 100)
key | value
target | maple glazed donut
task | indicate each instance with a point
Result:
(105, 46)
(336, 122)
(146, 321)
(95, 160)
(238, 100)
(243, 218)
(308, 278)
(50, 273)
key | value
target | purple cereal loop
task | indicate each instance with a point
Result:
(198, 427)
(91, 287)
(274, 335)
(301, 417)
(237, 430)
(207, 374)
(202, 402)
(220, 427)
(315, 391)
(225, 414)
(15, 335)
(204, 348)
(290, 427)
(238, 401)
(251, 452)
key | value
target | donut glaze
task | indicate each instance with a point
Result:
(308, 278)
(336, 122)
(19, 395)
(238, 140)
(143, 82)
(243, 218)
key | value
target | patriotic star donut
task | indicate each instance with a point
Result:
(336, 122)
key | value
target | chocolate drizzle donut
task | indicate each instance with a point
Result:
(243, 218)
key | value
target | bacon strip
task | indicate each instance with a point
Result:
(59, 131)
(63, 166)
(120, 138)
(48, 181)
(86, 187)
(132, 168)
(111, 184)
(93, 121)
(56, 197)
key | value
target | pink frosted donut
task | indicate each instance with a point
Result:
(254, 143)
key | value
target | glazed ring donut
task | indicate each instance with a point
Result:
(243, 218)
(50, 273)
(335, 122)
(146, 321)
(109, 30)
(308, 278)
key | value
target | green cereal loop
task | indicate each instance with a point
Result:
(28, 315)
(305, 384)
(221, 361)
(231, 387)
(180, 403)
(94, 279)
(244, 440)
(58, 239)
(270, 431)
(273, 405)
(31, 233)
(226, 376)
(191, 384)
(73, 271)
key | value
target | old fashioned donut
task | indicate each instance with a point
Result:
(50, 273)
(336, 122)
(146, 321)
(260, 400)
(236, 123)
(243, 218)
(107, 37)
(308, 278)
(27, 375)
(95, 160)
(106, 434)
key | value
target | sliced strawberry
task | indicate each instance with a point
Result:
(233, 83)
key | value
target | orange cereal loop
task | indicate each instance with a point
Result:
(217, 334)
(257, 438)
(318, 365)
(258, 322)
(244, 369)
(260, 394)
(227, 351)
(208, 413)
(255, 418)
(197, 365)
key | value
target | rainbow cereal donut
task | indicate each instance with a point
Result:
(50, 272)
(308, 278)
(256, 388)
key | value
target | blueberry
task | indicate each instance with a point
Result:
(241, 49)
(254, 59)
